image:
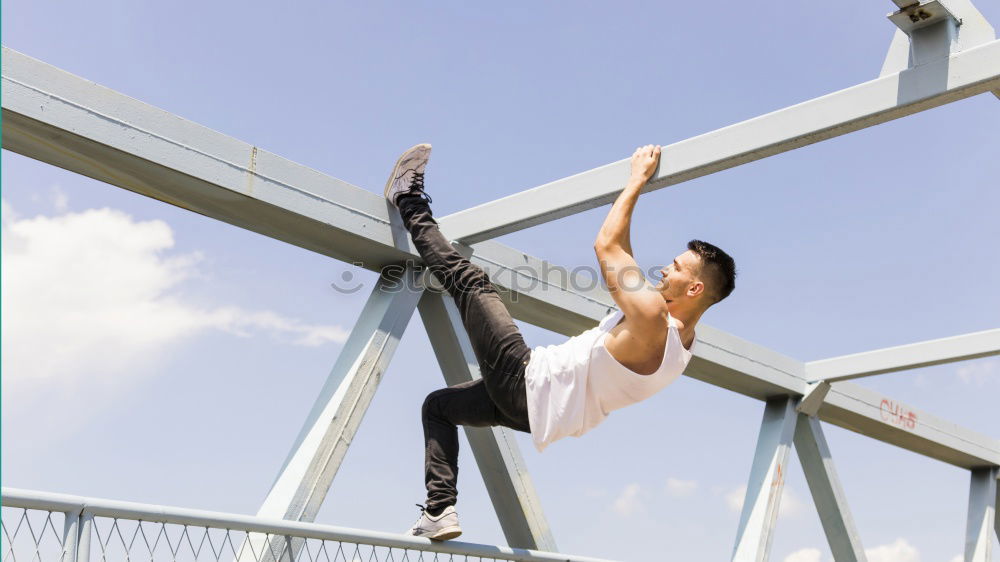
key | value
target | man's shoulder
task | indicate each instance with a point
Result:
(648, 320)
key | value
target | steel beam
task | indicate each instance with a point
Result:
(64, 120)
(499, 458)
(962, 27)
(827, 493)
(882, 417)
(767, 481)
(813, 398)
(981, 520)
(903, 357)
(303, 481)
(965, 74)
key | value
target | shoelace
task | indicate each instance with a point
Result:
(423, 511)
(419, 519)
(417, 187)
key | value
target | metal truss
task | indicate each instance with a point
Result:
(943, 51)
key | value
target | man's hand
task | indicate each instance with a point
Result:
(644, 162)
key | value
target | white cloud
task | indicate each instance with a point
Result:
(804, 555)
(957, 558)
(980, 373)
(790, 505)
(97, 292)
(735, 497)
(681, 488)
(898, 551)
(54, 196)
(628, 501)
(60, 201)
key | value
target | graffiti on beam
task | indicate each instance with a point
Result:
(897, 414)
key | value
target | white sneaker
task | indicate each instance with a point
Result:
(441, 528)
(408, 173)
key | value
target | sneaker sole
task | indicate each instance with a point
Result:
(392, 176)
(447, 533)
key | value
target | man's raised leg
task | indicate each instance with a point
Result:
(496, 340)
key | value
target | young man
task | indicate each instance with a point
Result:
(559, 390)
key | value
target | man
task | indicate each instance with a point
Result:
(559, 390)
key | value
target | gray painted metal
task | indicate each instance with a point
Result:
(813, 399)
(64, 120)
(315, 457)
(86, 532)
(981, 521)
(69, 122)
(965, 74)
(827, 493)
(332, 422)
(921, 45)
(96, 507)
(881, 417)
(897, 58)
(71, 536)
(903, 357)
(497, 454)
(767, 481)
(922, 14)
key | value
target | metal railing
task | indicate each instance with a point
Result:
(43, 527)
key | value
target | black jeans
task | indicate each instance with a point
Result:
(499, 397)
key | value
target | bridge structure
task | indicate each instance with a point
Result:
(943, 51)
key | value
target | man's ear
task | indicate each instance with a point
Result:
(696, 288)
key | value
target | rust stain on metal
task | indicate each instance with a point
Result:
(251, 170)
(777, 476)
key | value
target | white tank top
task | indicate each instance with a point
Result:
(572, 387)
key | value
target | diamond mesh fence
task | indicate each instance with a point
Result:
(33, 535)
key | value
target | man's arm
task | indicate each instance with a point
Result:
(640, 303)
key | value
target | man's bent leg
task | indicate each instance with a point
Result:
(496, 340)
(467, 404)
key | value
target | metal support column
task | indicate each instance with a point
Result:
(76, 536)
(305, 478)
(506, 477)
(828, 495)
(982, 514)
(767, 480)
(996, 504)
(83, 540)
(71, 536)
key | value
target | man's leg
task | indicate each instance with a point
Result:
(496, 340)
(467, 404)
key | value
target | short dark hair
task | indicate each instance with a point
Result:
(718, 269)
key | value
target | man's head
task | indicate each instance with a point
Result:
(698, 278)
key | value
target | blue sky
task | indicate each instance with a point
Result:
(154, 355)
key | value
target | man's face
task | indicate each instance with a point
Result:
(679, 276)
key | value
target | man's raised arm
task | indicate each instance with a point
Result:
(625, 280)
